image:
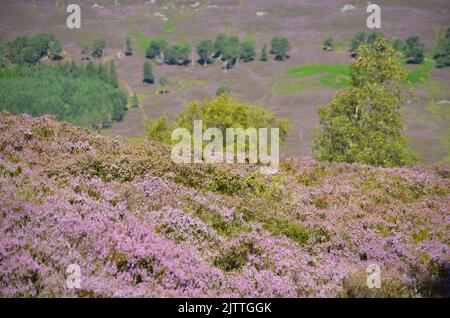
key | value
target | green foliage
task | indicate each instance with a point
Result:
(113, 80)
(399, 45)
(414, 50)
(222, 112)
(76, 94)
(363, 123)
(177, 54)
(358, 39)
(223, 90)
(219, 44)
(164, 83)
(85, 52)
(205, 49)
(97, 47)
(294, 231)
(28, 50)
(334, 75)
(421, 73)
(56, 50)
(156, 48)
(128, 47)
(248, 50)
(91, 71)
(373, 36)
(280, 47)
(227, 112)
(442, 54)
(328, 44)
(236, 257)
(148, 73)
(264, 53)
(134, 100)
(231, 51)
(102, 71)
(159, 129)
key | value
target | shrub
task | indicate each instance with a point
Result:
(414, 50)
(442, 54)
(363, 123)
(328, 44)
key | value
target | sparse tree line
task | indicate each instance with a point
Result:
(413, 50)
(229, 49)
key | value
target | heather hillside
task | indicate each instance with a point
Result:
(139, 225)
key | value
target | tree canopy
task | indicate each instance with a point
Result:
(442, 54)
(280, 47)
(148, 73)
(156, 48)
(414, 50)
(97, 47)
(128, 47)
(56, 50)
(177, 54)
(222, 112)
(363, 123)
(28, 50)
(205, 49)
(248, 51)
(74, 93)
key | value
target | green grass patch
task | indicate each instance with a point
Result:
(142, 40)
(335, 76)
(168, 27)
(289, 85)
(421, 73)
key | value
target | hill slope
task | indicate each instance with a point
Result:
(139, 225)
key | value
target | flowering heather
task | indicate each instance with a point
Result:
(139, 225)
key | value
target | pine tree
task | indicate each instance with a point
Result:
(102, 72)
(358, 39)
(56, 51)
(85, 52)
(248, 50)
(164, 83)
(128, 47)
(113, 80)
(442, 54)
(148, 73)
(98, 47)
(264, 53)
(328, 44)
(90, 69)
(398, 45)
(414, 50)
(134, 100)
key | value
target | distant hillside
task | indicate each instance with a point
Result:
(139, 225)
